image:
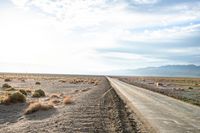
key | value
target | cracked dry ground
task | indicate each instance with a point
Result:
(97, 109)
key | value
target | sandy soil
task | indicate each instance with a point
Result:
(95, 107)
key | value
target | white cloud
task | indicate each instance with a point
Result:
(20, 3)
(145, 1)
(162, 35)
(67, 32)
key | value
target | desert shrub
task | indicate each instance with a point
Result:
(7, 80)
(14, 97)
(37, 83)
(6, 86)
(38, 93)
(67, 100)
(62, 81)
(76, 91)
(23, 91)
(96, 83)
(76, 81)
(36, 106)
(28, 90)
(190, 88)
(17, 97)
(5, 99)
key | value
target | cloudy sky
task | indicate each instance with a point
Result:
(97, 36)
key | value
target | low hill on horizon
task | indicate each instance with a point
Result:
(167, 71)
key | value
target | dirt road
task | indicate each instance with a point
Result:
(162, 113)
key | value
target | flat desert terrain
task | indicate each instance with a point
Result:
(185, 89)
(32, 103)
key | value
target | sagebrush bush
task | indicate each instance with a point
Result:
(6, 86)
(38, 93)
(37, 83)
(7, 80)
(190, 88)
(17, 97)
(14, 97)
(23, 91)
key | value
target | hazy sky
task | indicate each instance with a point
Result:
(96, 36)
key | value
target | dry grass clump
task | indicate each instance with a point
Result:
(28, 90)
(62, 81)
(7, 80)
(93, 81)
(36, 106)
(5, 99)
(38, 93)
(14, 97)
(37, 83)
(6, 85)
(76, 81)
(67, 100)
(23, 91)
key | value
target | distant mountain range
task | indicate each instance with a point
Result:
(167, 71)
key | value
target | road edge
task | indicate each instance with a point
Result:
(139, 116)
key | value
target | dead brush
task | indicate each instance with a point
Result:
(36, 106)
(76, 81)
(67, 100)
(93, 81)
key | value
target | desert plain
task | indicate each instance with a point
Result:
(70, 103)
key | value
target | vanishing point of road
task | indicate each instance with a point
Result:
(160, 113)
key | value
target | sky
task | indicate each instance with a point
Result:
(97, 36)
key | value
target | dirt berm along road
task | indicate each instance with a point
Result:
(159, 113)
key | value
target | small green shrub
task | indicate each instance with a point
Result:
(190, 88)
(14, 97)
(17, 97)
(6, 86)
(23, 92)
(7, 80)
(37, 83)
(38, 93)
